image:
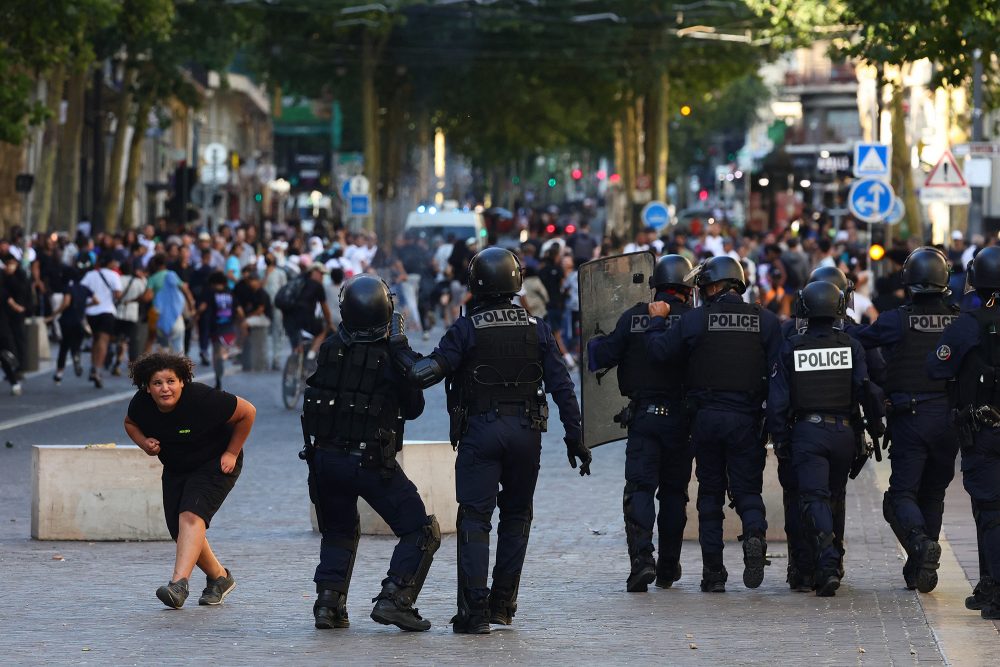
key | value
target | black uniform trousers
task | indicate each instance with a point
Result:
(800, 552)
(658, 454)
(729, 455)
(822, 454)
(496, 451)
(924, 447)
(981, 477)
(340, 482)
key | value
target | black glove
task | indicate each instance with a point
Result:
(782, 449)
(875, 428)
(397, 329)
(577, 450)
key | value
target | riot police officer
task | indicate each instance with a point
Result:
(496, 358)
(968, 353)
(800, 557)
(729, 346)
(820, 378)
(658, 452)
(924, 443)
(355, 406)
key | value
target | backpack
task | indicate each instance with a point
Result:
(287, 297)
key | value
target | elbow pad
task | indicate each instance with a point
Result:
(427, 371)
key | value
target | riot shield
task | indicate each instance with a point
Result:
(608, 287)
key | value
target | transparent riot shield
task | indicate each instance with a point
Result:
(608, 287)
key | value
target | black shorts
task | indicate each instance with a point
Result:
(125, 328)
(200, 491)
(103, 323)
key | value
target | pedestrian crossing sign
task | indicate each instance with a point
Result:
(872, 160)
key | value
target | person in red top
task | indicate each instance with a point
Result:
(198, 433)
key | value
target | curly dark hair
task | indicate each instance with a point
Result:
(142, 370)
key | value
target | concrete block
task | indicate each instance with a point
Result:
(36, 344)
(96, 494)
(732, 527)
(430, 466)
(254, 354)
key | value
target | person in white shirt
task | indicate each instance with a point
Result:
(127, 318)
(713, 242)
(106, 286)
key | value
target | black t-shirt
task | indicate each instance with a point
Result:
(311, 295)
(194, 432)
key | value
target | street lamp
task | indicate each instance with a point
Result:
(764, 182)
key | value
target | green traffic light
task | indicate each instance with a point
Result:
(258, 197)
(552, 182)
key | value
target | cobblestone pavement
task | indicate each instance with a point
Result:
(87, 603)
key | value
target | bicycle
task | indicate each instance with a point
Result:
(293, 377)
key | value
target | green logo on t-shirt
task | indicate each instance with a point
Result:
(184, 431)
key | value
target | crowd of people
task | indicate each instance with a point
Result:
(121, 294)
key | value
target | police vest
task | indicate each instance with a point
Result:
(638, 375)
(351, 398)
(821, 373)
(730, 355)
(979, 377)
(922, 327)
(505, 364)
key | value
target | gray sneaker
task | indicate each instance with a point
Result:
(217, 589)
(173, 594)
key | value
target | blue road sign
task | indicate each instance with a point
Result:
(871, 160)
(870, 199)
(897, 211)
(360, 205)
(345, 189)
(655, 214)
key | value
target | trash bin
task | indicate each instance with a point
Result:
(254, 354)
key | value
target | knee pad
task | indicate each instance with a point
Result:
(516, 525)
(466, 536)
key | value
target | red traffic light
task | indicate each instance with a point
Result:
(577, 174)
(570, 229)
(703, 195)
(615, 179)
(550, 229)
(601, 174)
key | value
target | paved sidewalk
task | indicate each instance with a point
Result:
(85, 603)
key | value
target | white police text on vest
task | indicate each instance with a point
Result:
(505, 317)
(823, 359)
(640, 323)
(734, 322)
(930, 323)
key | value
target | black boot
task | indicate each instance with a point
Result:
(981, 594)
(394, 606)
(667, 572)
(925, 554)
(827, 583)
(754, 560)
(799, 580)
(713, 579)
(991, 610)
(330, 610)
(503, 599)
(643, 573)
(472, 617)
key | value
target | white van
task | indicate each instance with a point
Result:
(430, 222)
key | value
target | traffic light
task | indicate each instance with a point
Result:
(570, 228)
(685, 110)
(553, 182)
(876, 252)
(577, 174)
(258, 197)
(550, 229)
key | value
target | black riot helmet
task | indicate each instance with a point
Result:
(366, 308)
(925, 271)
(671, 271)
(836, 277)
(721, 269)
(494, 272)
(984, 270)
(820, 299)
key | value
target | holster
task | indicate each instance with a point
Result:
(626, 416)
(862, 450)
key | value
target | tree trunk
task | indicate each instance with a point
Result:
(662, 139)
(902, 174)
(113, 192)
(50, 144)
(628, 173)
(369, 122)
(66, 211)
(134, 169)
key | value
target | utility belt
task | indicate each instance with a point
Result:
(822, 418)
(910, 406)
(976, 418)
(380, 453)
(661, 406)
(533, 415)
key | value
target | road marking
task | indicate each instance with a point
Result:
(79, 407)
(960, 634)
